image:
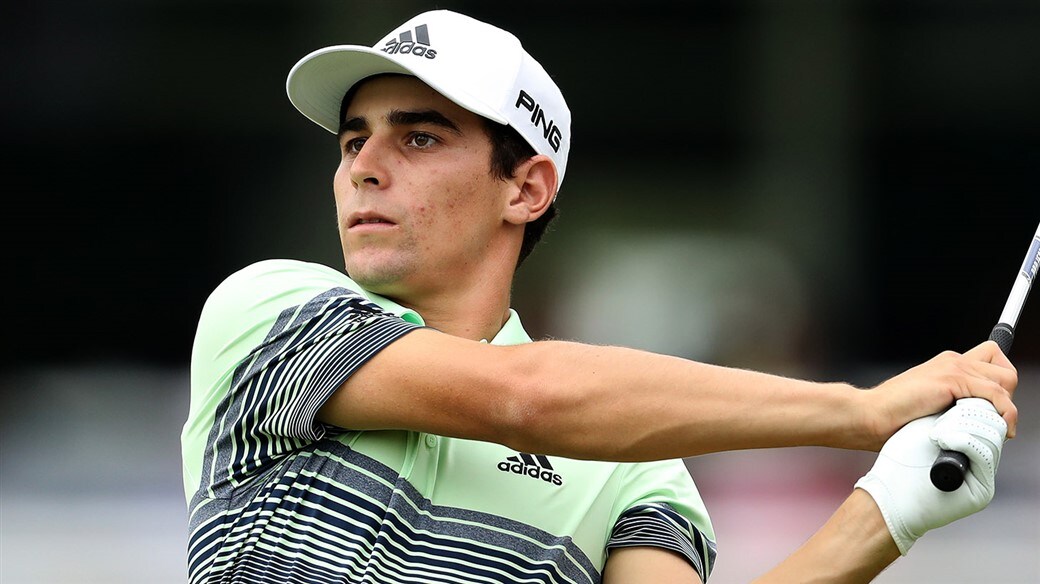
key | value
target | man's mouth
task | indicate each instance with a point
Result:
(368, 219)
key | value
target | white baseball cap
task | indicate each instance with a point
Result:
(480, 67)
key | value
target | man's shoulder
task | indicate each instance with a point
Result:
(288, 272)
(259, 292)
(263, 290)
(284, 280)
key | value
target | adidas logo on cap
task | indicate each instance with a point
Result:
(405, 44)
(535, 466)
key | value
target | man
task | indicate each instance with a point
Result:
(398, 425)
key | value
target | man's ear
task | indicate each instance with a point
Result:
(534, 190)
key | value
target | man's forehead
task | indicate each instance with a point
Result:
(399, 92)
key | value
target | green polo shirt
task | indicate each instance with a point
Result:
(275, 495)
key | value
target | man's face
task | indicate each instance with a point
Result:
(416, 202)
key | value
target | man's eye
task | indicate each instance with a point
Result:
(423, 140)
(353, 146)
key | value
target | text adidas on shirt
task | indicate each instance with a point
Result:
(515, 466)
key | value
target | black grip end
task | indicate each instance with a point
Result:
(1003, 334)
(948, 470)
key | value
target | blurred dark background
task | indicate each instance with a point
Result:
(837, 189)
(889, 148)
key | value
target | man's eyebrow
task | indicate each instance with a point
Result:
(402, 118)
(354, 124)
(411, 118)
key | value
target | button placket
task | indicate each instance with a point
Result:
(424, 468)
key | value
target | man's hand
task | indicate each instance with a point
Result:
(899, 481)
(983, 371)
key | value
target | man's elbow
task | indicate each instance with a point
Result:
(534, 409)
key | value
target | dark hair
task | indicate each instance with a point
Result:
(508, 151)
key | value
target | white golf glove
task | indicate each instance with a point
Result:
(899, 480)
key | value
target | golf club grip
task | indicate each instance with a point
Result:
(949, 467)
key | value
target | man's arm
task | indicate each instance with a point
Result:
(854, 545)
(648, 565)
(612, 403)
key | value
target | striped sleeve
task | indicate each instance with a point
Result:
(659, 525)
(276, 392)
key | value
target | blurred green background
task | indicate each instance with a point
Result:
(830, 189)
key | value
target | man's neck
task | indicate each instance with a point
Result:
(472, 316)
(472, 303)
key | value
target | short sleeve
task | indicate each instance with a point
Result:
(659, 506)
(274, 342)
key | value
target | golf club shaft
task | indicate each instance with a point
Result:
(949, 467)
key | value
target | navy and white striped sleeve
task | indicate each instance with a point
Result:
(309, 353)
(659, 525)
(273, 399)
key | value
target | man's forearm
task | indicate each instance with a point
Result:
(642, 406)
(853, 546)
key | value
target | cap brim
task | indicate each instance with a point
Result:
(317, 83)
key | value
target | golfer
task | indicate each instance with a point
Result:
(390, 421)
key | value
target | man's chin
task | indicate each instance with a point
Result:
(380, 281)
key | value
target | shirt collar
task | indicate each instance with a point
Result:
(512, 332)
(406, 314)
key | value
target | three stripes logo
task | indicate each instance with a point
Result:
(408, 44)
(533, 465)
